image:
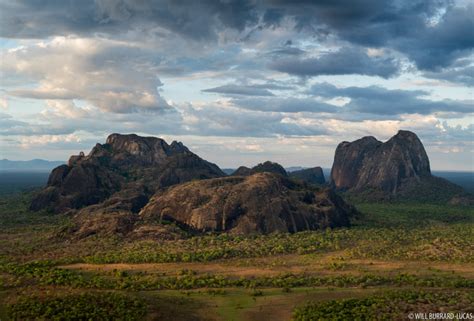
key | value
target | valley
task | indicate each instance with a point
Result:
(142, 230)
(236, 160)
(229, 277)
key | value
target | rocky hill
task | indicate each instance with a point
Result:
(269, 167)
(262, 202)
(397, 168)
(123, 162)
(131, 184)
(312, 175)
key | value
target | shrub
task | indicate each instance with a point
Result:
(86, 306)
(387, 306)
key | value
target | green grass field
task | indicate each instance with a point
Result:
(411, 255)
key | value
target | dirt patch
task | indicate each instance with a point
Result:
(280, 307)
(328, 265)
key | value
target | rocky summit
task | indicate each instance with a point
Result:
(123, 162)
(131, 185)
(262, 202)
(397, 168)
(269, 167)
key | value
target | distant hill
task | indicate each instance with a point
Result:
(228, 171)
(294, 168)
(463, 179)
(312, 175)
(34, 165)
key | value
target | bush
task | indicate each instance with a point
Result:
(388, 306)
(87, 306)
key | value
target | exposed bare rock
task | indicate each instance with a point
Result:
(114, 166)
(267, 166)
(118, 216)
(398, 168)
(75, 159)
(156, 232)
(260, 203)
(369, 163)
(115, 216)
(312, 175)
(242, 171)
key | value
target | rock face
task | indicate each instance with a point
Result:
(398, 168)
(118, 215)
(259, 203)
(130, 184)
(313, 175)
(369, 163)
(267, 166)
(123, 161)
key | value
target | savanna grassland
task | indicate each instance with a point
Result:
(397, 258)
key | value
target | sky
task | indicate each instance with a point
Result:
(238, 82)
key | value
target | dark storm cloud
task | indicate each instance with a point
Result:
(286, 51)
(455, 75)
(433, 34)
(193, 19)
(382, 101)
(40, 19)
(409, 26)
(460, 72)
(439, 46)
(346, 61)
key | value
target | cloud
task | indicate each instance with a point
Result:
(64, 109)
(284, 105)
(438, 46)
(64, 118)
(8, 123)
(101, 66)
(195, 20)
(28, 142)
(239, 90)
(463, 75)
(112, 76)
(345, 61)
(225, 120)
(287, 51)
(61, 117)
(382, 101)
(3, 103)
(431, 33)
